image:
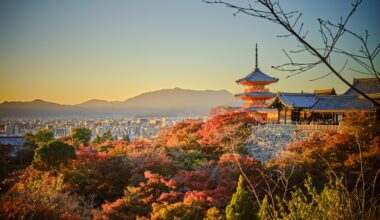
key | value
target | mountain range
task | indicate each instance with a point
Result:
(165, 102)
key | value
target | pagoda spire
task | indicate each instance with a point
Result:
(257, 59)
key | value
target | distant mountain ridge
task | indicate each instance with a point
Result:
(165, 102)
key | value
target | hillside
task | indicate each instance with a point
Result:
(166, 102)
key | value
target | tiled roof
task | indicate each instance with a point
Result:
(342, 102)
(256, 94)
(17, 140)
(366, 85)
(325, 91)
(257, 76)
(325, 100)
(298, 100)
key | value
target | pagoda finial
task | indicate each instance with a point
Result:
(257, 58)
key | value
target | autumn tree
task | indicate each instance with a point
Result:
(362, 125)
(39, 195)
(226, 132)
(81, 136)
(221, 110)
(193, 206)
(98, 178)
(213, 214)
(241, 205)
(184, 134)
(137, 200)
(331, 36)
(187, 159)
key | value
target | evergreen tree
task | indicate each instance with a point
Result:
(42, 137)
(52, 154)
(241, 206)
(81, 136)
(126, 138)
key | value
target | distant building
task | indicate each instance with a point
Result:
(16, 142)
(49, 127)
(10, 129)
(2, 128)
(60, 132)
(89, 123)
(16, 130)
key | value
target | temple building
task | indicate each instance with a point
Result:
(325, 106)
(256, 94)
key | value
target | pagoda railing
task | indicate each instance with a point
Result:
(256, 90)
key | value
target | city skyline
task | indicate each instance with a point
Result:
(69, 52)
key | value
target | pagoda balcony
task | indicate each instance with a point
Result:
(256, 90)
(255, 105)
(258, 95)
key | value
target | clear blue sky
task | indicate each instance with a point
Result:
(69, 51)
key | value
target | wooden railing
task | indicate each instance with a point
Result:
(319, 127)
(307, 127)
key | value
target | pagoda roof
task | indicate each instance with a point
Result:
(257, 76)
(342, 103)
(256, 94)
(366, 85)
(296, 100)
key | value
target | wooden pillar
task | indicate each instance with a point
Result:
(278, 115)
(285, 116)
(333, 118)
(298, 115)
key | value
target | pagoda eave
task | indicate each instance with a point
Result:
(264, 95)
(248, 82)
(247, 98)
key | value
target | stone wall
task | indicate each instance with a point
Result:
(267, 141)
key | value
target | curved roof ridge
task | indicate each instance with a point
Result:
(286, 99)
(257, 76)
(303, 100)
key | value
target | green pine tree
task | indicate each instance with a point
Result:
(241, 206)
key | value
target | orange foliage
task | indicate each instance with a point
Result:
(224, 131)
(184, 134)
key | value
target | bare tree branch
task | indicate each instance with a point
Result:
(330, 32)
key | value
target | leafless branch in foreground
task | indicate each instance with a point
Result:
(331, 33)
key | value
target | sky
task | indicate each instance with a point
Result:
(71, 51)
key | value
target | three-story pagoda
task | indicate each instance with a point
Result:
(256, 94)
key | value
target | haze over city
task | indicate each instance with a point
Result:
(73, 51)
(189, 109)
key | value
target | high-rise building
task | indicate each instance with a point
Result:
(59, 132)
